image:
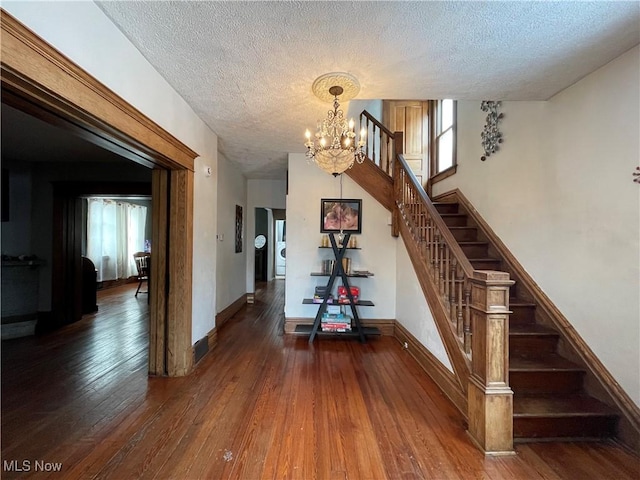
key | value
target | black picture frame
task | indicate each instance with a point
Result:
(341, 215)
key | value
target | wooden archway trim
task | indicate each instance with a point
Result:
(35, 72)
(32, 66)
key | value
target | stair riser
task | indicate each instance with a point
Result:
(522, 315)
(447, 207)
(532, 344)
(465, 234)
(539, 382)
(486, 264)
(456, 221)
(475, 251)
(569, 427)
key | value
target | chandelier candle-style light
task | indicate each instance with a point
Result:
(335, 148)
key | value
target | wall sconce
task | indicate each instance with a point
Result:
(491, 136)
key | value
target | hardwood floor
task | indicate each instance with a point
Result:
(261, 405)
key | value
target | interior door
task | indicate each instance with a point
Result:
(411, 118)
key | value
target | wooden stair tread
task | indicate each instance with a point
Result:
(517, 302)
(559, 406)
(550, 362)
(472, 242)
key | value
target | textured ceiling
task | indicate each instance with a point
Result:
(246, 68)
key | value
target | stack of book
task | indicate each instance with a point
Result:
(318, 296)
(335, 322)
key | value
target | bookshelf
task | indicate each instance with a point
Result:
(338, 273)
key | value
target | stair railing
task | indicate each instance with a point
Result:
(442, 256)
(381, 142)
(470, 308)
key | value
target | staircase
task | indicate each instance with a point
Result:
(549, 400)
(561, 390)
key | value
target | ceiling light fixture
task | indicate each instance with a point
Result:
(335, 148)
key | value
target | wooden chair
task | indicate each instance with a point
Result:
(143, 261)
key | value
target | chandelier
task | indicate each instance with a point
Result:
(335, 148)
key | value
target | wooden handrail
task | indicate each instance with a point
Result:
(437, 219)
(375, 121)
(388, 143)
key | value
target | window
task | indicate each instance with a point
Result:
(115, 231)
(443, 139)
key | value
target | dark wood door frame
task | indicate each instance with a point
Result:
(40, 78)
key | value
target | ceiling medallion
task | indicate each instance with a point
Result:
(335, 148)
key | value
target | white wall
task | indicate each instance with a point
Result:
(263, 194)
(355, 108)
(560, 195)
(84, 34)
(412, 309)
(231, 266)
(205, 266)
(307, 185)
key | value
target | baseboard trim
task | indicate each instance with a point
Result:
(386, 326)
(230, 311)
(444, 378)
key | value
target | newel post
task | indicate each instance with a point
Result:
(398, 143)
(490, 399)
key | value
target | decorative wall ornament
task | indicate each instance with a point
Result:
(636, 175)
(491, 136)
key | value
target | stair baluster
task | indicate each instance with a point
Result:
(387, 141)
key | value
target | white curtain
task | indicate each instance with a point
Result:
(115, 231)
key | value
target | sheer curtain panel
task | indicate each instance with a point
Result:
(115, 231)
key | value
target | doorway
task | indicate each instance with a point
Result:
(263, 243)
(39, 80)
(412, 118)
(280, 243)
(270, 243)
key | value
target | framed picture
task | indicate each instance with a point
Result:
(338, 215)
(238, 229)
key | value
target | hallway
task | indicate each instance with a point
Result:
(260, 405)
